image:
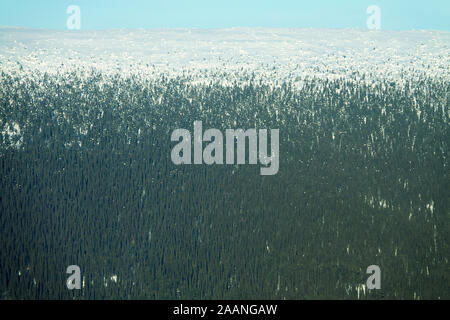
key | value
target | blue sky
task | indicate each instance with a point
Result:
(131, 14)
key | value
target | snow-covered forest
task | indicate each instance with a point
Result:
(87, 179)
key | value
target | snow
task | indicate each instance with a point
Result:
(271, 54)
(11, 134)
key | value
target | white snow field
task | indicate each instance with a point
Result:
(204, 55)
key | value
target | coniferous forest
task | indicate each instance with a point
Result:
(87, 179)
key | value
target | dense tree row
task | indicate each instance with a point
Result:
(87, 179)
